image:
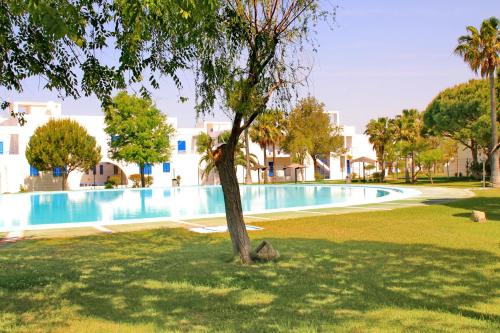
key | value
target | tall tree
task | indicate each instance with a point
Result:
(261, 133)
(381, 135)
(138, 131)
(480, 50)
(62, 144)
(309, 130)
(252, 45)
(269, 130)
(458, 113)
(408, 128)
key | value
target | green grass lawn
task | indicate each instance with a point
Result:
(413, 269)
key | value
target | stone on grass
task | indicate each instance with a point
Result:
(478, 216)
(266, 252)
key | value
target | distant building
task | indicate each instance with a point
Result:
(15, 171)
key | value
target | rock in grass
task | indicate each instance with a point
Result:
(478, 216)
(266, 252)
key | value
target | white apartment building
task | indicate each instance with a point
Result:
(15, 171)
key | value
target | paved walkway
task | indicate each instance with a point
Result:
(429, 196)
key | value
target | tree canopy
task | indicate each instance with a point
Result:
(461, 113)
(138, 131)
(64, 144)
(59, 41)
(310, 131)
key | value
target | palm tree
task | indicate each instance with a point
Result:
(408, 132)
(279, 129)
(480, 50)
(269, 130)
(260, 133)
(206, 146)
(380, 134)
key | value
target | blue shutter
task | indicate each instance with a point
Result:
(33, 171)
(181, 146)
(166, 167)
(1, 148)
(56, 172)
(148, 168)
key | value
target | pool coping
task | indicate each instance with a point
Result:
(396, 193)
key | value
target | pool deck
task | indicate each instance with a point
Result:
(429, 196)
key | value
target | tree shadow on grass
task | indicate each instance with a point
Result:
(490, 205)
(177, 283)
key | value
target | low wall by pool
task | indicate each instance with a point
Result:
(45, 210)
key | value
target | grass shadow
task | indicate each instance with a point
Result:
(178, 281)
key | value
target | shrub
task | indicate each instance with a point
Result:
(136, 180)
(115, 180)
(377, 176)
(318, 176)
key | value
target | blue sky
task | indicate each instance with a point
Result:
(379, 58)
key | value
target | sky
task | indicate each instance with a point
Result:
(378, 58)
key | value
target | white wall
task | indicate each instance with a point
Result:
(14, 169)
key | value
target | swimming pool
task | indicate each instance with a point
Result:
(44, 210)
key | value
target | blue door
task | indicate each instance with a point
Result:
(271, 169)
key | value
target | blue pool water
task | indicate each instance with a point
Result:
(33, 210)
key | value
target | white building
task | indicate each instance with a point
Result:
(15, 171)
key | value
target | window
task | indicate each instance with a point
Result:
(181, 146)
(57, 172)
(94, 170)
(271, 169)
(148, 169)
(33, 171)
(115, 169)
(166, 167)
(1, 148)
(101, 169)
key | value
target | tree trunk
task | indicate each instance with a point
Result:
(274, 162)
(265, 164)
(474, 152)
(494, 162)
(413, 178)
(64, 180)
(248, 169)
(232, 202)
(143, 179)
(315, 165)
(382, 172)
(407, 175)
